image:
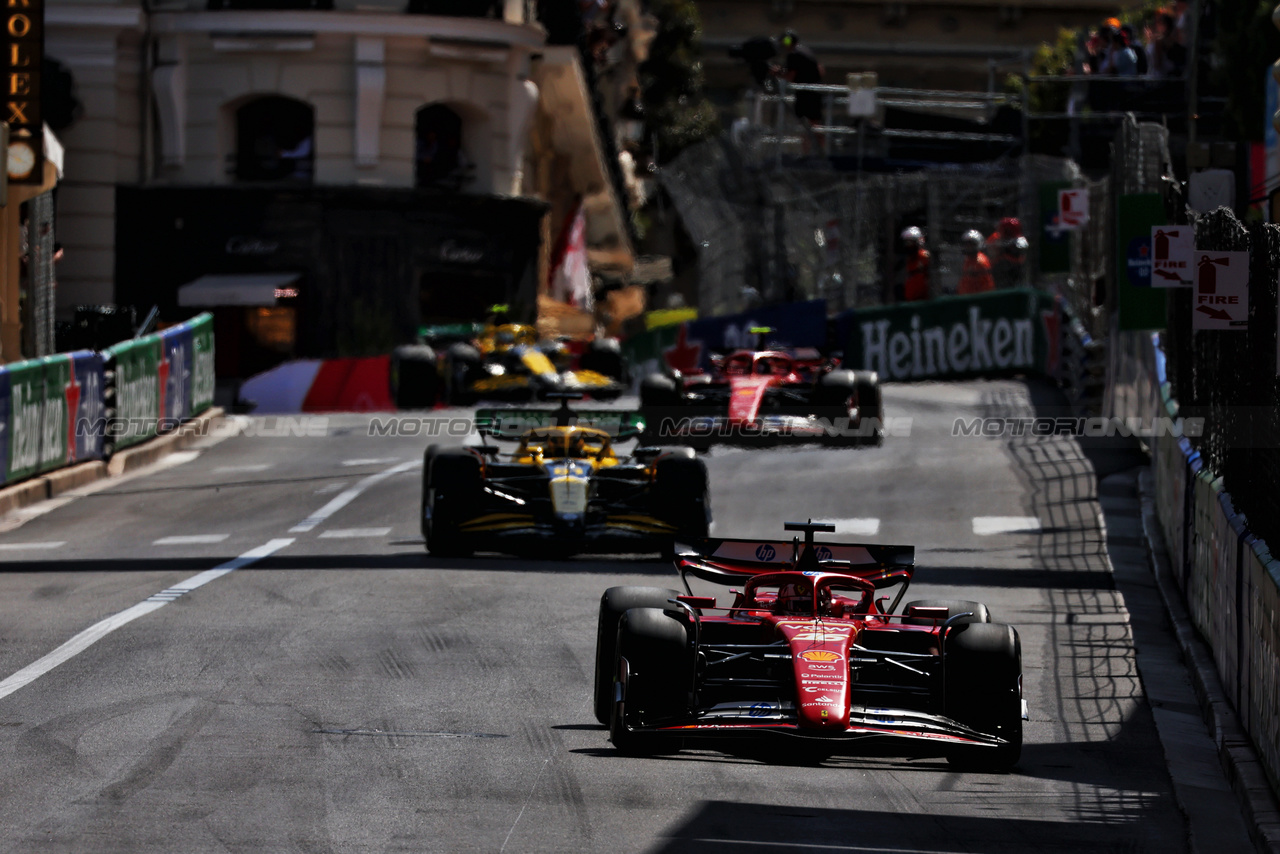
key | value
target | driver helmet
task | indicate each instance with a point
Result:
(795, 598)
(912, 237)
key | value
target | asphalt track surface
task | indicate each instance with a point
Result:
(348, 693)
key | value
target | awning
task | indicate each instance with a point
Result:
(261, 289)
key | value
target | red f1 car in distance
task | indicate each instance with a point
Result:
(765, 394)
(807, 650)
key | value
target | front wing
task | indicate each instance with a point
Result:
(516, 526)
(866, 724)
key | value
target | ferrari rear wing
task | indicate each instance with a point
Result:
(727, 561)
(512, 422)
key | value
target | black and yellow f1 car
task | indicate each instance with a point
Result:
(508, 361)
(563, 489)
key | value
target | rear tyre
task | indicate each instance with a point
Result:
(615, 602)
(870, 402)
(455, 487)
(604, 356)
(982, 675)
(413, 376)
(461, 369)
(681, 496)
(659, 390)
(655, 647)
(953, 606)
(833, 398)
(662, 405)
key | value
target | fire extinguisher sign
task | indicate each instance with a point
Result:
(1173, 249)
(1221, 291)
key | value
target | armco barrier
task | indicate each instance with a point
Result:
(1260, 696)
(1230, 581)
(50, 413)
(157, 381)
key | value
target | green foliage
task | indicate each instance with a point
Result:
(1050, 60)
(1246, 45)
(677, 114)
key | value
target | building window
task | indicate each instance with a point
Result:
(275, 140)
(439, 159)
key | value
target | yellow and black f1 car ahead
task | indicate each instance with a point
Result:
(508, 361)
(563, 489)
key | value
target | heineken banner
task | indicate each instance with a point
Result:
(160, 380)
(201, 363)
(1001, 332)
(51, 413)
(135, 380)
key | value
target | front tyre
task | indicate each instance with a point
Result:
(615, 602)
(455, 488)
(654, 649)
(982, 681)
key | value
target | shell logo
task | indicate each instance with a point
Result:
(820, 655)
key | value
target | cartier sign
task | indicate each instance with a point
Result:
(24, 52)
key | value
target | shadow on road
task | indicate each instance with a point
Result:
(715, 826)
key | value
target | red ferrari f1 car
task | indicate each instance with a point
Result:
(765, 394)
(808, 650)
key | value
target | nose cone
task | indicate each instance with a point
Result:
(570, 485)
(820, 658)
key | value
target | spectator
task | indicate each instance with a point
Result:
(758, 53)
(802, 66)
(1124, 59)
(1140, 55)
(1175, 43)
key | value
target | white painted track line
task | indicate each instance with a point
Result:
(986, 525)
(190, 540)
(380, 461)
(22, 547)
(344, 498)
(354, 533)
(100, 630)
(242, 469)
(858, 527)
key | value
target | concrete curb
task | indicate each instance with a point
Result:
(1240, 762)
(54, 483)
